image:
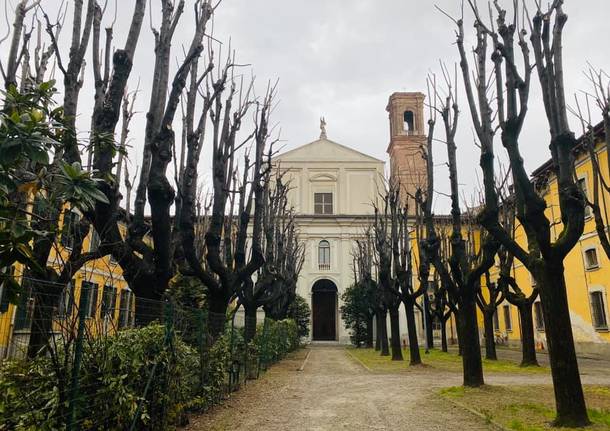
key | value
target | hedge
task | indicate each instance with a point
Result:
(115, 372)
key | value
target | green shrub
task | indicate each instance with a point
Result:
(115, 372)
(300, 312)
(274, 339)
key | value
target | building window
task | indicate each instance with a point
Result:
(496, 321)
(66, 302)
(582, 182)
(68, 229)
(323, 203)
(125, 314)
(108, 302)
(408, 123)
(591, 261)
(324, 255)
(538, 316)
(508, 324)
(94, 241)
(89, 300)
(598, 310)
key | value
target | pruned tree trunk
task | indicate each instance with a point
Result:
(444, 335)
(395, 334)
(490, 342)
(250, 323)
(528, 344)
(469, 343)
(378, 331)
(369, 332)
(415, 357)
(567, 385)
(383, 333)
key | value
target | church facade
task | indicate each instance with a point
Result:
(332, 189)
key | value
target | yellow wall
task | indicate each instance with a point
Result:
(580, 281)
(103, 272)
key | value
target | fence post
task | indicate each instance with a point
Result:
(83, 305)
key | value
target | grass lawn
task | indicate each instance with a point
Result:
(528, 408)
(436, 359)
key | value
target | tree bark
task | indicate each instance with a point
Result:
(45, 302)
(490, 342)
(469, 342)
(383, 332)
(458, 331)
(378, 332)
(369, 333)
(444, 335)
(412, 329)
(569, 397)
(217, 316)
(395, 332)
(250, 323)
(428, 321)
(528, 346)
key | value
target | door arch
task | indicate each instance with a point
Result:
(324, 310)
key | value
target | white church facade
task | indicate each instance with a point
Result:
(332, 188)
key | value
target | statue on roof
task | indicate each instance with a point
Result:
(322, 128)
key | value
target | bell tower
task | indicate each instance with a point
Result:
(407, 142)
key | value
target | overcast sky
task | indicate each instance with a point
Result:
(342, 59)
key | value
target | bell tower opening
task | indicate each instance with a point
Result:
(408, 123)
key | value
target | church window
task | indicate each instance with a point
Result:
(323, 203)
(409, 122)
(324, 255)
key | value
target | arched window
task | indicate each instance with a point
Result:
(408, 122)
(324, 255)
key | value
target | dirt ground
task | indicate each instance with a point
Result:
(335, 392)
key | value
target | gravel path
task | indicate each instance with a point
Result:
(334, 392)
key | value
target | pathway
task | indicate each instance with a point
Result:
(333, 392)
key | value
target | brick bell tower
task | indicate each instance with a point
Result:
(407, 141)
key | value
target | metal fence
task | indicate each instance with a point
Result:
(85, 359)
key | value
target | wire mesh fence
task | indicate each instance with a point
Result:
(91, 358)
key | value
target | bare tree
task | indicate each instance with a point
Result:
(545, 254)
(462, 272)
(363, 258)
(383, 229)
(488, 304)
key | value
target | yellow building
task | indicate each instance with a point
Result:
(109, 304)
(587, 268)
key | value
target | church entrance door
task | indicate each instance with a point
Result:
(324, 310)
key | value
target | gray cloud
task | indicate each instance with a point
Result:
(342, 59)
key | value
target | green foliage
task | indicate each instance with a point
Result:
(116, 370)
(358, 300)
(300, 312)
(275, 338)
(31, 133)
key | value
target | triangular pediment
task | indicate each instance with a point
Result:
(324, 150)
